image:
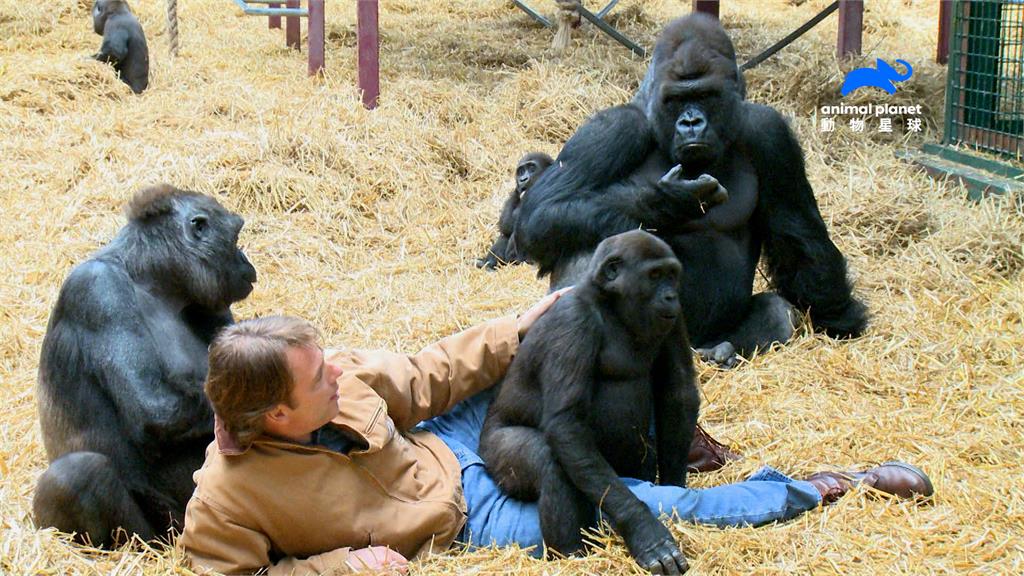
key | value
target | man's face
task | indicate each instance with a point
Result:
(314, 392)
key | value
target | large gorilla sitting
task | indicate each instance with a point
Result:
(719, 178)
(120, 390)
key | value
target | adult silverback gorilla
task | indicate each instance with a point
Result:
(124, 43)
(120, 390)
(719, 178)
(574, 411)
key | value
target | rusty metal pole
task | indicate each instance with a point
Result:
(705, 6)
(316, 36)
(274, 21)
(292, 31)
(368, 40)
(851, 25)
(945, 23)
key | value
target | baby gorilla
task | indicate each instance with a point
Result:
(124, 44)
(504, 250)
(574, 412)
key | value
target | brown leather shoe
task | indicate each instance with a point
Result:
(707, 454)
(897, 478)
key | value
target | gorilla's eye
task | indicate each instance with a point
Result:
(655, 274)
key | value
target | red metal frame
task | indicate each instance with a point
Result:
(368, 40)
(293, 30)
(851, 27)
(705, 6)
(316, 36)
(274, 21)
(945, 23)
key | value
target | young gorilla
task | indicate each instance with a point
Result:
(573, 414)
(124, 44)
(504, 250)
(120, 390)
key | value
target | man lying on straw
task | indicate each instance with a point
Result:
(335, 461)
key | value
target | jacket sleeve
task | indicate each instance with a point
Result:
(213, 542)
(441, 375)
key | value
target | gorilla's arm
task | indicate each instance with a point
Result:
(115, 42)
(567, 378)
(676, 403)
(588, 195)
(803, 263)
(102, 335)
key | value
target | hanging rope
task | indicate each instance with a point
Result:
(172, 26)
(568, 18)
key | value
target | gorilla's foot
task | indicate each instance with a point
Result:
(708, 454)
(723, 354)
(82, 493)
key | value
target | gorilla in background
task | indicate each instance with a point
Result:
(124, 44)
(120, 390)
(505, 250)
(574, 412)
(720, 179)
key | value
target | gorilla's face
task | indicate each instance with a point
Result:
(697, 96)
(695, 121)
(220, 272)
(641, 274)
(528, 170)
(99, 16)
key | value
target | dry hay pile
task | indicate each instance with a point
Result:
(368, 222)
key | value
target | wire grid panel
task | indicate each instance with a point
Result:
(985, 89)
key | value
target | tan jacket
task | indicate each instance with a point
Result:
(300, 509)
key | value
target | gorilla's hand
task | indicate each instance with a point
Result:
(655, 550)
(704, 188)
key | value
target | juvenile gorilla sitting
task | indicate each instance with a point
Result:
(505, 249)
(124, 43)
(120, 390)
(574, 411)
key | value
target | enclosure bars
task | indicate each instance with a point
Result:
(985, 78)
(293, 11)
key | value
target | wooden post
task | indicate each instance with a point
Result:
(316, 36)
(945, 23)
(274, 21)
(851, 24)
(292, 31)
(368, 40)
(706, 6)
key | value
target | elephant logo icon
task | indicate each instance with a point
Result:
(882, 76)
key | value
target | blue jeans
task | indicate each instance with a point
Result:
(495, 518)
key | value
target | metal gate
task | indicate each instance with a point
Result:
(985, 83)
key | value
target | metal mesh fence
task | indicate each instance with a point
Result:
(985, 91)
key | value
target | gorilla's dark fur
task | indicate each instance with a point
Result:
(124, 43)
(720, 179)
(574, 411)
(505, 250)
(124, 418)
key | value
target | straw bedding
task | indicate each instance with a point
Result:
(368, 223)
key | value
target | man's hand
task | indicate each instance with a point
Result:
(377, 559)
(526, 319)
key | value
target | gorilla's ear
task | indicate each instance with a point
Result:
(606, 274)
(199, 225)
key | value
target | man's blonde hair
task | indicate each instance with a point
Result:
(248, 374)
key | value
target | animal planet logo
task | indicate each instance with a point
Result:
(882, 76)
